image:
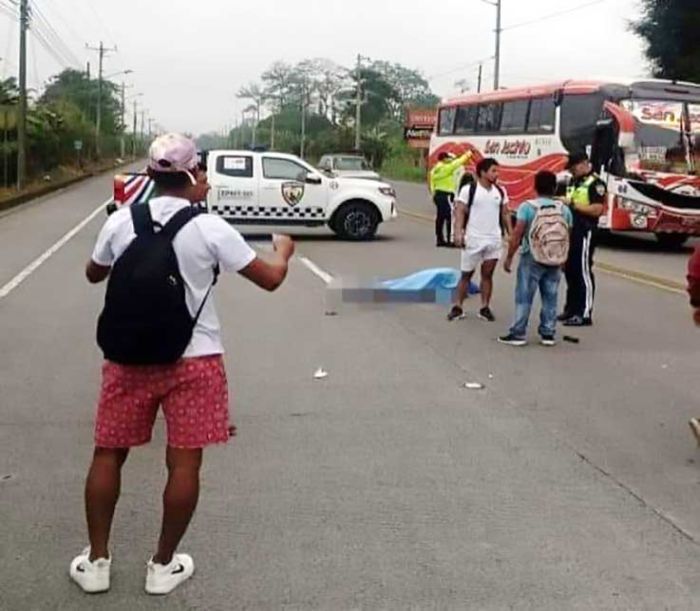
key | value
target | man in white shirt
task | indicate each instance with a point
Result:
(482, 210)
(192, 391)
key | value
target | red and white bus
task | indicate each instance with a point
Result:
(643, 138)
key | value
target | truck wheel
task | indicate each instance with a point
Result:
(672, 241)
(355, 221)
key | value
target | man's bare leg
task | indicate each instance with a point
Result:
(101, 495)
(179, 499)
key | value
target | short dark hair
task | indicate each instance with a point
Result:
(485, 165)
(442, 156)
(545, 183)
(169, 180)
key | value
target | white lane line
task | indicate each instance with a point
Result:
(315, 269)
(41, 259)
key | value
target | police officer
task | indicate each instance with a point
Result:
(586, 198)
(442, 187)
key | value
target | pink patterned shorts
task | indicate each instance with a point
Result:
(193, 393)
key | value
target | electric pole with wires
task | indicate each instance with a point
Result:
(102, 51)
(22, 118)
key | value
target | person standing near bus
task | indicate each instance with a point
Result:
(694, 294)
(586, 198)
(481, 212)
(442, 188)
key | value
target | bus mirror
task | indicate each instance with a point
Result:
(558, 97)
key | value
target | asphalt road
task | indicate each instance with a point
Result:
(569, 482)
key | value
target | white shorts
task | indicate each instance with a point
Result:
(480, 250)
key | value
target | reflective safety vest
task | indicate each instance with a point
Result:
(578, 195)
(442, 176)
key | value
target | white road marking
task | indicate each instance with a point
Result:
(41, 259)
(315, 269)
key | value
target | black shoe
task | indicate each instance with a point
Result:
(548, 340)
(441, 244)
(486, 314)
(578, 321)
(512, 340)
(455, 312)
(563, 316)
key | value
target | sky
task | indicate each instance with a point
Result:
(190, 58)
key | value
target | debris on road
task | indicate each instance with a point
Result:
(571, 339)
(474, 386)
(320, 374)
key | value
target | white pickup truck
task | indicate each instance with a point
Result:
(265, 188)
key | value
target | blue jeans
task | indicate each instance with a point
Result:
(533, 276)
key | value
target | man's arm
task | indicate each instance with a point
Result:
(516, 238)
(96, 273)
(694, 284)
(507, 219)
(460, 223)
(270, 274)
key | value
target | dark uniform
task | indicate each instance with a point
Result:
(579, 267)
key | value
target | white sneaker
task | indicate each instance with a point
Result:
(92, 577)
(163, 579)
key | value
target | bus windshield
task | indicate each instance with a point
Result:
(667, 135)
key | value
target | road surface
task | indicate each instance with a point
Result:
(569, 482)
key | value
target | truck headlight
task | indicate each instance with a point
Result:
(388, 191)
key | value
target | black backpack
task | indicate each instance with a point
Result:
(145, 320)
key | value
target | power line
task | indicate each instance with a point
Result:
(459, 68)
(57, 13)
(53, 37)
(101, 22)
(552, 15)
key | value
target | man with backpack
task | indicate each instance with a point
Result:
(161, 338)
(481, 218)
(542, 234)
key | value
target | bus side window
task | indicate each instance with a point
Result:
(542, 116)
(514, 117)
(466, 120)
(447, 121)
(489, 121)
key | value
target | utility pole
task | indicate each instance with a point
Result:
(497, 67)
(102, 51)
(302, 148)
(358, 104)
(481, 69)
(150, 129)
(143, 123)
(22, 119)
(122, 143)
(133, 139)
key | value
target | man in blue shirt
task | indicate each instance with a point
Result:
(532, 274)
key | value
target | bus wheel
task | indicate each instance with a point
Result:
(355, 221)
(672, 241)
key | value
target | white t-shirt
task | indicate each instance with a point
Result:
(485, 213)
(206, 241)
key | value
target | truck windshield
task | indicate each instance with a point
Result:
(667, 135)
(352, 164)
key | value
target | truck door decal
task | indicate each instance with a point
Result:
(293, 192)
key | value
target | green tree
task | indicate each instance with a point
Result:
(74, 86)
(670, 29)
(412, 89)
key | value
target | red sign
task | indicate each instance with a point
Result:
(421, 118)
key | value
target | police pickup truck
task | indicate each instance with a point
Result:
(266, 188)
